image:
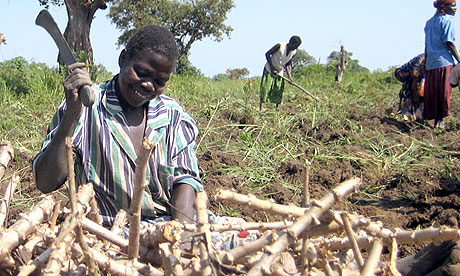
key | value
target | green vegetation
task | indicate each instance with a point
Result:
(188, 20)
(353, 130)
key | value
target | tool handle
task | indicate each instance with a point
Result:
(86, 95)
(298, 86)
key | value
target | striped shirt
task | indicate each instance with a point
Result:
(105, 156)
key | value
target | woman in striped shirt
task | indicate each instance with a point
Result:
(107, 136)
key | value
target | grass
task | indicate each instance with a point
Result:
(317, 134)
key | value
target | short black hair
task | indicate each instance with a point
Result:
(159, 39)
(295, 40)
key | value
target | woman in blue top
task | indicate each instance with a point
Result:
(439, 52)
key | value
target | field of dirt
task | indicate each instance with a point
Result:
(420, 200)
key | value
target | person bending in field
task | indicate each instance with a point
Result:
(107, 136)
(454, 77)
(440, 51)
(412, 76)
(279, 58)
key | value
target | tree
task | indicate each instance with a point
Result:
(220, 77)
(353, 64)
(188, 20)
(80, 14)
(237, 73)
(341, 66)
(302, 58)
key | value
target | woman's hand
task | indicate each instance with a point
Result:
(77, 76)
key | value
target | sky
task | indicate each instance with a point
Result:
(379, 33)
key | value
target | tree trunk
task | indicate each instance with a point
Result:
(340, 68)
(77, 32)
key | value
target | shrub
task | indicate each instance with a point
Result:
(20, 77)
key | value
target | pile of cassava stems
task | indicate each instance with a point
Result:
(313, 240)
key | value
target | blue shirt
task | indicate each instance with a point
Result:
(438, 31)
(105, 156)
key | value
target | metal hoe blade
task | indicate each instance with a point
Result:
(45, 20)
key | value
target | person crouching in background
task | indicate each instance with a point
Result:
(412, 76)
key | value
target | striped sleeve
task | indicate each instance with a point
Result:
(52, 128)
(184, 158)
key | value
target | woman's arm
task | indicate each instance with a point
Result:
(183, 198)
(453, 50)
(51, 168)
(268, 56)
(288, 67)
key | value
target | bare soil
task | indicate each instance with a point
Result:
(419, 199)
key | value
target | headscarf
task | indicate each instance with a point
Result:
(441, 5)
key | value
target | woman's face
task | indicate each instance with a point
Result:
(144, 77)
(451, 8)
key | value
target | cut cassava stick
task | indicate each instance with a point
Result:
(6, 154)
(92, 270)
(231, 256)
(322, 229)
(84, 195)
(5, 203)
(279, 271)
(324, 262)
(192, 268)
(121, 267)
(305, 247)
(146, 254)
(136, 202)
(261, 226)
(119, 223)
(393, 257)
(203, 227)
(25, 251)
(105, 234)
(70, 167)
(306, 235)
(284, 210)
(38, 262)
(117, 229)
(18, 232)
(402, 237)
(306, 189)
(303, 223)
(373, 258)
(351, 236)
(58, 258)
(68, 226)
(436, 235)
(56, 211)
(94, 214)
(260, 204)
(171, 262)
(154, 234)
